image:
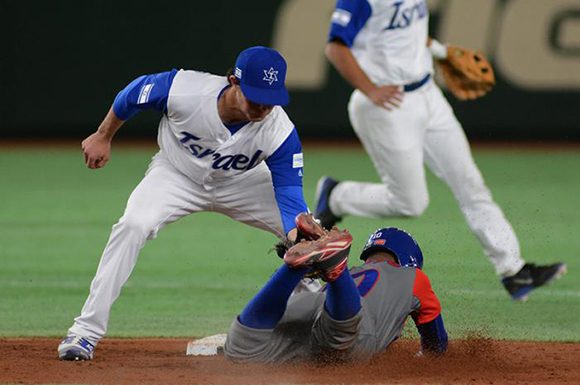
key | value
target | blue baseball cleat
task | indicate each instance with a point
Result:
(323, 213)
(75, 348)
(531, 277)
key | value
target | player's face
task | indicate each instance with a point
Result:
(257, 112)
(253, 112)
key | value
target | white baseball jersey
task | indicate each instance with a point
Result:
(198, 144)
(388, 38)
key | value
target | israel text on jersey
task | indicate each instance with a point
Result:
(403, 17)
(224, 162)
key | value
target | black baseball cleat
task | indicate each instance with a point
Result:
(323, 213)
(327, 256)
(530, 277)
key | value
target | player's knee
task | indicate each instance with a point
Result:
(244, 345)
(415, 207)
(414, 211)
(140, 226)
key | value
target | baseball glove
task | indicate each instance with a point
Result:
(467, 74)
(307, 228)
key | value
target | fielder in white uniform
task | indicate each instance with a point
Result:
(403, 120)
(225, 144)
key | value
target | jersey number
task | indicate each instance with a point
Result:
(370, 278)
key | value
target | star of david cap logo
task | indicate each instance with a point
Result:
(261, 72)
(270, 75)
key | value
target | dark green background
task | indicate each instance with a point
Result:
(62, 62)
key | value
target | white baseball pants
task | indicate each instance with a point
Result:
(162, 197)
(423, 130)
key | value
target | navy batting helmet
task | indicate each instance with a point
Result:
(398, 242)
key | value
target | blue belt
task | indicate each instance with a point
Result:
(413, 86)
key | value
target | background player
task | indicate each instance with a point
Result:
(358, 314)
(403, 120)
(226, 145)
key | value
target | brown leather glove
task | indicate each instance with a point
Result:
(467, 74)
(308, 229)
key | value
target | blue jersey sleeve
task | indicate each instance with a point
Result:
(147, 92)
(433, 336)
(286, 167)
(348, 18)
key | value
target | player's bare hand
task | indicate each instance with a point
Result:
(97, 150)
(387, 97)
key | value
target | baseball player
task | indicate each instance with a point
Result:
(381, 48)
(356, 316)
(225, 144)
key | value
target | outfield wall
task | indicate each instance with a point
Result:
(63, 62)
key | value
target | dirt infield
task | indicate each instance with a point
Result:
(163, 361)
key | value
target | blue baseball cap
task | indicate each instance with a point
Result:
(262, 73)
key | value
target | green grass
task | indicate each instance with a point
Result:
(55, 217)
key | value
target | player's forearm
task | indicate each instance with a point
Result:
(345, 63)
(434, 339)
(110, 125)
(97, 146)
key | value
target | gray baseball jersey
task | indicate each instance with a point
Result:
(389, 295)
